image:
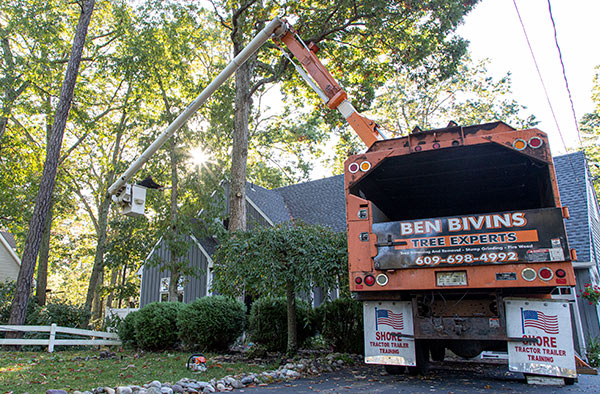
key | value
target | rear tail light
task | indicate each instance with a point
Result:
(561, 273)
(545, 273)
(519, 144)
(536, 142)
(353, 168)
(436, 145)
(358, 280)
(418, 148)
(528, 274)
(369, 280)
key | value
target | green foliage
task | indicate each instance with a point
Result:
(7, 293)
(263, 260)
(211, 323)
(268, 322)
(589, 125)
(126, 330)
(63, 314)
(341, 324)
(156, 326)
(593, 352)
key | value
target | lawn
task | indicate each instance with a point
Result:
(36, 372)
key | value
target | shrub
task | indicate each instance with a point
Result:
(593, 351)
(341, 324)
(156, 325)
(268, 322)
(126, 330)
(211, 323)
(63, 314)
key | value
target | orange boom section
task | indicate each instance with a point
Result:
(461, 207)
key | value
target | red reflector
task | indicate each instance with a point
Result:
(353, 167)
(418, 148)
(358, 280)
(561, 273)
(369, 280)
(561, 281)
(359, 286)
(535, 142)
(436, 146)
(545, 274)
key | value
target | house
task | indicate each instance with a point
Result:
(323, 202)
(577, 192)
(316, 202)
(10, 263)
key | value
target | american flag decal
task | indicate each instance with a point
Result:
(388, 318)
(537, 319)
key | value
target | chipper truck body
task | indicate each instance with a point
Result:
(456, 241)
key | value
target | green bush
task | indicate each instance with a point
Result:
(126, 330)
(7, 293)
(156, 326)
(268, 322)
(211, 323)
(341, 324)
(63, 314)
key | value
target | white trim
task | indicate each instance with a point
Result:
(11, 251)
(259, 211)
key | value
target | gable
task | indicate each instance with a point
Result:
(10, 263)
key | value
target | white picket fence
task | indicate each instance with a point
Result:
(107, 338)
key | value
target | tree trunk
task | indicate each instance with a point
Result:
(103, 211)
(239, 152)
(42, 270)
(292, 344)
(42, 201)
(44, 254)
(96, 315)
(114, 276)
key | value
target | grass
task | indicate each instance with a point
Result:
(36, 372)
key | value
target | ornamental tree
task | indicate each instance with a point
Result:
(284, 260)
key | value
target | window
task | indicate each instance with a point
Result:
(164, 289)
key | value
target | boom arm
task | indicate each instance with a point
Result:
(327, 88)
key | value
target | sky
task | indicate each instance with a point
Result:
(494, 32)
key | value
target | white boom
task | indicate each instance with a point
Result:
(120, 191)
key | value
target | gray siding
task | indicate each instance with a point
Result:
(587, 312)
(195, 286)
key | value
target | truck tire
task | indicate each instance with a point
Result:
(437, 352)
(422, 358)
(394, 369)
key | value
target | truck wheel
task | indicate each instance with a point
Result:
(394, 369)
(437, 353)
(422, 358)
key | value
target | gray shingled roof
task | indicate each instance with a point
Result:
(318, 202)
(9, 238)
(270, 202)
(315, 202)
(572, 182)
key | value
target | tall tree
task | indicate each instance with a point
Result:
(362, 42)
(42, 204)
(589, 126)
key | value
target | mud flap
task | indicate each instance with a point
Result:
(389, 333)
(546, 327)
